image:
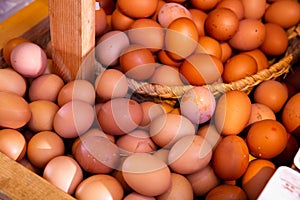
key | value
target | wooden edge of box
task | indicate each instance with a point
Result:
(19, 183)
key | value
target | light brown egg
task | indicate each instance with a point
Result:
(254, 9)
(151, 110)
(137, 8)
(210, 133)
(44, 146)
(12, 144)
(137, 196)
(260, 112)
(12, 81)
(289, 115)
(204, 4)
(166, 75)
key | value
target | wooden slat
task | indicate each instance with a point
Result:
(19, 183)
(72, 30)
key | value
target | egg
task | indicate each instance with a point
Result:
(221, 24)
(254, 9)
(165, 134)
(146, 174)
(252, 29)
(236, 6)
(181, 38)
(198, 105)
(260, 112)
(226, 51)
(210, 46)
(260, 58)
(267, 138)
(99, 186)
(239, 66)
(284, 13)
(137, 9)
(230, 158)
(43, 146)
(201, 69)
(271, 93)
(120, 21)
(14, 110)
(12, 144)
(226, 191)
(137, 196)
(9, 46)
(189, 154)
(276, 41)
(45, 87)
(162, 154)
(63, 172)
(210, 133)
(204, 5)
(165, 59)
(166, 75)
(199, 18)
(232, 112)
(151, 110)
(203, 181)
(100, 22)
(289, 115)
(12, 81)
(29, 59)
(256, 177)
(119, 116)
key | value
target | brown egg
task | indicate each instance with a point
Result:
(235, 5)
(276, 41)
(45, 87)
(210, 46)
(137, 8)
(271, 93)
(44, 146)
(159, 5)
(210, 133)
(98, 187)
(289, 115)
(42, 115)
(267, 138)
(154, 31)
(189, 154)
(12, 81)
(226, 51)
(203, 181)
(254, 9)
(10, 45)
(221, 24)
(260, 58)
(201, 69)
(199, 18)
(164, 58)
(100, 21)
(284, 13)
(151, 110)
(137, 196)
(146, 174)
(252, 29)
(204, 4)
(166, 75)
(78, 89)
(107, 5)
(162, 154)
(14, 110)
(165, 134)
(226, 192)
(239, 66)
(232, 112)
(180, 189)
(181, 38)
(63, 172)
(256, 177)
(119, 116)
(137, 62)
(120, 21)
(260, 112)
(230, 158)
(12, 144)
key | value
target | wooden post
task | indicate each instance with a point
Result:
(72, 31)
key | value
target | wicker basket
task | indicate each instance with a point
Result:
(144, 91)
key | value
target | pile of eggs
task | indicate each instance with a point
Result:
(93, 141)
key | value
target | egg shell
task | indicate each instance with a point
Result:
(254, 9)
(162, 154)
(120, 21)
(14, 110)
(99, 186)
(181, 38)
(43, 146)
(290, 115)
(137, 9)
(12, 81)
(159, 5)
(73, 119)
(119, 116)
(226, 191)
(189, 154)
(256, 177)
(230, 158)
(151, 110)
(170, 12)
(166, 75)
(146, 174)
(267, 138)
(232, 112)
(260, 58)
(45, 87)
(199, 18)
(252, 29)
(204, 5)
(271, 93)
(198, 105)
(97, 154)
(180, 189)
(235, 5)
(28, 59)
(165, 133)
(12, 144)
(137, 196)
(9, 46)
(284, 13)
(226, 51)
(100, 22)
(63, 172)
(260, 112)
(210, 133)
(210, 46)
(164, 58)
(203, 181)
